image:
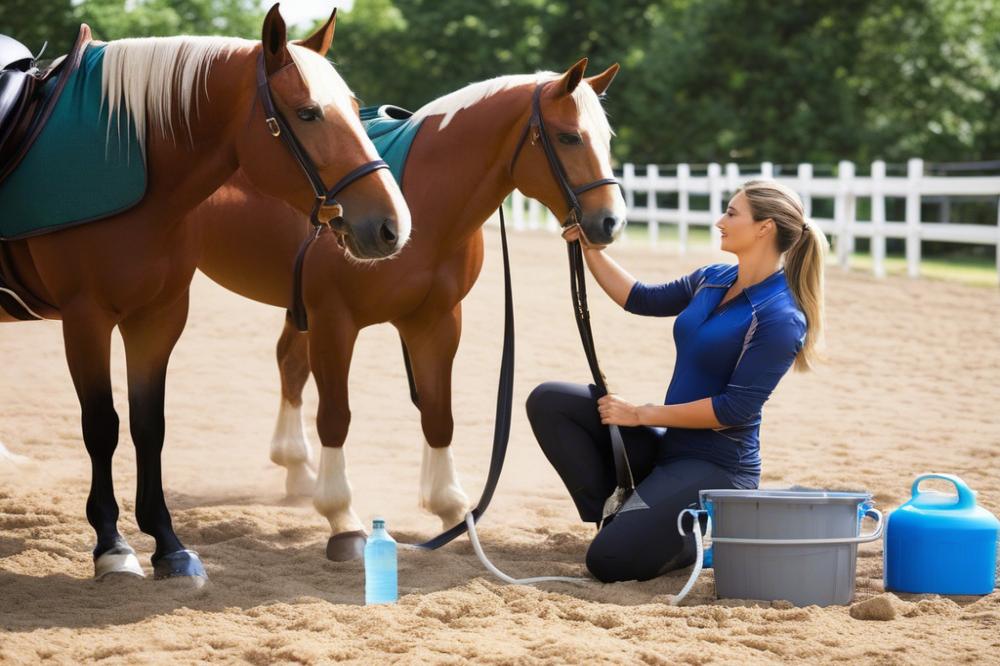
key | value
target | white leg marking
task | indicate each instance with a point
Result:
(291, 450)
(333, 492)
(440, 490)
(12, 458)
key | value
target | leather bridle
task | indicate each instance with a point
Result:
(536, 130)
(279, 128)
(625, 483)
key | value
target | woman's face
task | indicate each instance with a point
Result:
(739, 230)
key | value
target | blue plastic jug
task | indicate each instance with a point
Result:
(380, 566)
(941, 544)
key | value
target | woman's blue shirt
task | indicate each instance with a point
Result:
(734, 354)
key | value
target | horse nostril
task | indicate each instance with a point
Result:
(610, 223)
(387, 233)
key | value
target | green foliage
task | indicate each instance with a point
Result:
(34, 21)
(701, 80)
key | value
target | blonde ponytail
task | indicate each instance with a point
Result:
(804, 246)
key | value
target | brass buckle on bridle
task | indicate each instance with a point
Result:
(321, 205)
(273, 127)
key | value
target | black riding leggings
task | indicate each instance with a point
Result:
(641, 541)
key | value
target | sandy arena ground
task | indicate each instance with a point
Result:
(912, 385)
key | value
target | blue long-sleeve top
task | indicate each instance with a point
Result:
(734, 354)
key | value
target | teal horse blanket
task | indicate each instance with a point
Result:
(77, 170)
(392, 130)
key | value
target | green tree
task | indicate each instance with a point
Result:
(35, 21)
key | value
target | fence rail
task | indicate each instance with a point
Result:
(844, 189)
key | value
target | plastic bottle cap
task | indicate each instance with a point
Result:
(378, 523)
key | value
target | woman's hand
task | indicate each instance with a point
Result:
(617, 411)
(573, 232)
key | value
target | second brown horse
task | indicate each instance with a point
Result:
(460, 168)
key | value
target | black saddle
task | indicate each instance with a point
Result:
(26, 101)
(17, 81)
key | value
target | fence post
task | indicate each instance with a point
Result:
(652, 173)
(998, 241)
(534, 212)
(732, 177)
(914, 172)
(805, 188)
(517, 209)
(878, 218)
(767, 170)
(628, 184)
(714, 201)
(844, 213)
(683, 205)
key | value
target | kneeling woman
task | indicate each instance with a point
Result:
(738, 330)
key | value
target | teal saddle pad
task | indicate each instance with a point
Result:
(77, 171)
(392, 130)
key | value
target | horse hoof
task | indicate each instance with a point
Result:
(346, 546)
(182, 564)
(118, 561)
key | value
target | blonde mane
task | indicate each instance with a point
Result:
(152, 77)
(592, 114)
(153, 80)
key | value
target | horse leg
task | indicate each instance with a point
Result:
(87, 337)
(149, 338)
(289, 446)
(432, 351)
(331, 345)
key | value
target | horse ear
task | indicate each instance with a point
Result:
(571, 79)
(320, 40)
(274, 41)
(601, 82)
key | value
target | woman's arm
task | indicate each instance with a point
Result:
(697, 414)
(614, 280)
(657, 300)
(764, 361)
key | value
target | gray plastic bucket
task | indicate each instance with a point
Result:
(798, 545)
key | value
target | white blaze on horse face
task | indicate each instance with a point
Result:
(594, 121)
(291, 450)
(440, 490)
(326, 87)
(333, 492)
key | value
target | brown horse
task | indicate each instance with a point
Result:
(133, 270)
(468, 155)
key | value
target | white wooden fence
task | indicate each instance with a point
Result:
(844, 189)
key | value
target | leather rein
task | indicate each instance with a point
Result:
(623, 472)
(625, 483)
(325, 197)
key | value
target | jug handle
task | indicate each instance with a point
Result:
(966, 496)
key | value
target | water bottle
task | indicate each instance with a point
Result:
(380, 566)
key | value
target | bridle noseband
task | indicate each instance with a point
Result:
(536, 129)
(279, 128)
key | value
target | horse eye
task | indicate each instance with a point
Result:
(309, 113)
(570, 139)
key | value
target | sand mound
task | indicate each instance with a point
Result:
(882, 607)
